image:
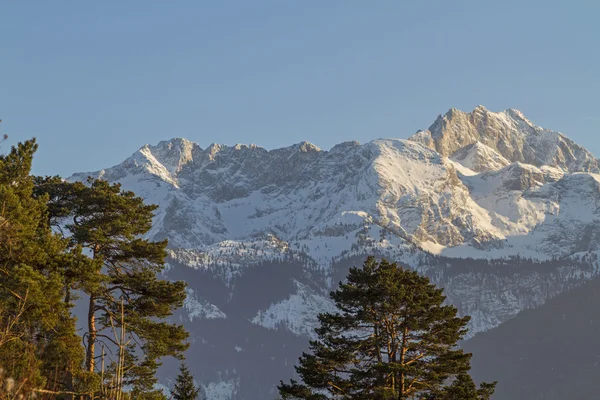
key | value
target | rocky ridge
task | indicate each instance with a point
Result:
(511, 134)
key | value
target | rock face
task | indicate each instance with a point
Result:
(511, 134)
(493, 208)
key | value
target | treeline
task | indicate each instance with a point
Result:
(441, 265)
(62, 243)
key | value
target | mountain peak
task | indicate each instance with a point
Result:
(517, 115)
(508, 133)
(172, 154)
(175, 145)
(214, 149)
(307, 147)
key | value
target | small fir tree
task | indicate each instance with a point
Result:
(185, 388)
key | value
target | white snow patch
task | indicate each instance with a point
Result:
(223, 390)
(199, 309)
(298, 313)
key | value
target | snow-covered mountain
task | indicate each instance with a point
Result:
(497, 210)
(511, 134)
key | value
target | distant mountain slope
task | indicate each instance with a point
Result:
(551, 352)
(262, 236)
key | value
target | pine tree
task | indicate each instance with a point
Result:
(393, 338)
(463, 388)
(119, 272)
(37, 332)
(185, 388)
(102, 254)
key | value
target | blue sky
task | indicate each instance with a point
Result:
(94, 81)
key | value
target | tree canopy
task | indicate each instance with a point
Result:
(393, 338)
(120, 275)
(60, 241)
(36, 329)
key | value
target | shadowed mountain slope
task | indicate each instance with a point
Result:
(550, 353)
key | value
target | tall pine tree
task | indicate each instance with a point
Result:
(120, 275)
(394, 338)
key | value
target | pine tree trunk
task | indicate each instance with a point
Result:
(68, 295)
(402, 361)
(70, 381)
(89, 358)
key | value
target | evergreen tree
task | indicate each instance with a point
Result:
(185, 388)
(463, 388)
(393, 338)
(119, 272)
(38, 343)
(102, 254)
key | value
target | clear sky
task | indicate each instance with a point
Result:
(95, 80)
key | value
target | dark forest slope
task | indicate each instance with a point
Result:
(551, 352)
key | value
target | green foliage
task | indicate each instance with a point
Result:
(61, 239)
(463, 388)
(185, 388)
(34, 319)
(115, 264)
(394, 338)
(148, 395)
